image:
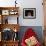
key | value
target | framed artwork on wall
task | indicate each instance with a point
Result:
(5, 12)
(29, 13)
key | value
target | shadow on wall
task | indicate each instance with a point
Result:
(37, 29)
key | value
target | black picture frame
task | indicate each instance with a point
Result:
(31, 11)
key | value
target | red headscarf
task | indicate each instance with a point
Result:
(29, 33)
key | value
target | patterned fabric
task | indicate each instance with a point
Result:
(30, 39)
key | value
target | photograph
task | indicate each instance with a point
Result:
(29, 13)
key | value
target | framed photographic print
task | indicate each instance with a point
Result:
(5, 12)
(29, 13)
(13, 12)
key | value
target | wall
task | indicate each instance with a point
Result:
(27, 4)
(39, 13)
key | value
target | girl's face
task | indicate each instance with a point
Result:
(29, 13)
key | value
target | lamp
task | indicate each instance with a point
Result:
(15, 30)
(15, 3)
(15, 34)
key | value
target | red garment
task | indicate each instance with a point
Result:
(29, 33)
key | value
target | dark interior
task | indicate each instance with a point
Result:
(9, 35)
